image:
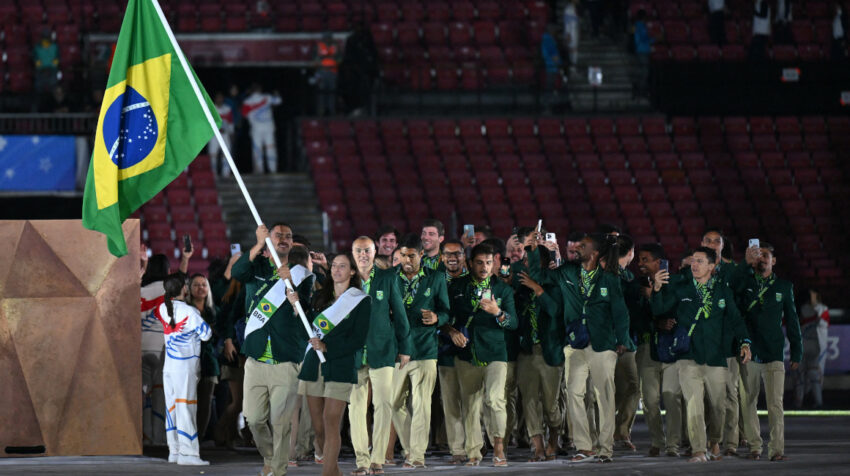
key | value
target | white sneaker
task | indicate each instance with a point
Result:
(184, 460)
(172, 457)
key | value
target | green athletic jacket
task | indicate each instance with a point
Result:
(550, 329)
(486, 334)
(447, 359)
(764, 319)
(344, 343)
(288, 336)
(431, 294)
(607, 315)
(252, 274)
(712, 337)
(389, 332)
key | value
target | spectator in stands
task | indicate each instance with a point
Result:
(46, 58)
(58, 102)
(717, 21)
(552, 64)
(702, 367)
(485, 306)
(766, 303)
(761, 30)
(227, 133)
(327, 66)
(593, 308)
(345, 310)
(262, 12)
(815, 324)
(358, 70)
(839, 34)
(387, 239)
(200, 297)
(596, 9)
(643, 50)
(782, 23)
(257, 108)
(572, 32)
(433, 233)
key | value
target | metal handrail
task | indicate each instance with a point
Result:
(83, 123)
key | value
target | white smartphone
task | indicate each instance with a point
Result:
(551, 237)
(235, 248)
(487, 294)
(754, 243)
(469, 231)
(539, 225)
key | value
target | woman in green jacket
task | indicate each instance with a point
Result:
(340, 314)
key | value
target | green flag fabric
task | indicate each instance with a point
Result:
(151, 125)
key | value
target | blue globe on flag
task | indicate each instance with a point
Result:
(130, 129)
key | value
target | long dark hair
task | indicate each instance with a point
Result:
(157, 269)
(325, 296)
(173, 287)
(609, 251)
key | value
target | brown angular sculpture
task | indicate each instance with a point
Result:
(69, 340)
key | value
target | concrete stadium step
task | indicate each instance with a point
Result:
(289, 197)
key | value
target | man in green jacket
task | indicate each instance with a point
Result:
(484, 306)
(706, 308)
(593, 297)
(387, 342)
(274, 354)
(455, 265)
(274, 351)
(766, 301)
(658, 381)
(541, 358)
(433, 234)
(626, 380)
(426, 302)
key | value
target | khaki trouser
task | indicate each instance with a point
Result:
(773, 374)
(382, 392)
(671, 395)
(510, 401)
(450, 395)
(700, 381)
(416, 379)
(270, 393)
(600, 367)
(539, 387)
(731, 434)
(626, 395)
(482, 387)
(650, 372)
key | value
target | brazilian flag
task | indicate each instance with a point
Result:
(151, 124)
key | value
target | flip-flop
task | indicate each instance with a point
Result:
(754, 456)
(376, 470)
(582, 456)
(537, 458)
(473, 462)
(698, 459)
(500, 462)
(359, 472)
(779, 458)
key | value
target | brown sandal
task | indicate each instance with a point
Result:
(779, 458)
(754, 456)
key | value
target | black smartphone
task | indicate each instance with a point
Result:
(187, 243)
(665, 265)
(505, 268)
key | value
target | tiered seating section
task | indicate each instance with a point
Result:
(189, 205)
(681, 30)
(780, 179)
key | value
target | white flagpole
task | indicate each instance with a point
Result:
(229, 159)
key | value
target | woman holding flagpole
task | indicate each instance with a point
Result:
(340, 315)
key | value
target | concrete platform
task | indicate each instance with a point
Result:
(815, 445)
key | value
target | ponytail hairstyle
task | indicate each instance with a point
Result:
(173, 290)
(324, 297)
(608, 251)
